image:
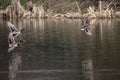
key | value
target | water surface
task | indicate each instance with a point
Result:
(59, 50)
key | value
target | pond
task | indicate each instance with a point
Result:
(57, 49)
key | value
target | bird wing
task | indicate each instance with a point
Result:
(11, 27)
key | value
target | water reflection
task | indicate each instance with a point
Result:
(88, 70)
(59, 50)
(14, 65)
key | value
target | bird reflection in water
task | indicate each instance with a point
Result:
(88, 70)
(14, 65)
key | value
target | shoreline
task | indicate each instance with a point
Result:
(16, 10)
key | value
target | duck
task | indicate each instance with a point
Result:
(14, 32)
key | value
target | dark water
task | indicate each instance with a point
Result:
(59, 50)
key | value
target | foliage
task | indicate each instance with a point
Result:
(60, 5)
(4, 3)
(23, 2)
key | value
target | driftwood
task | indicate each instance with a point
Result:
(117, 14)
(73, 15)
(15, 9)
(58, 16)
(91, 12)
